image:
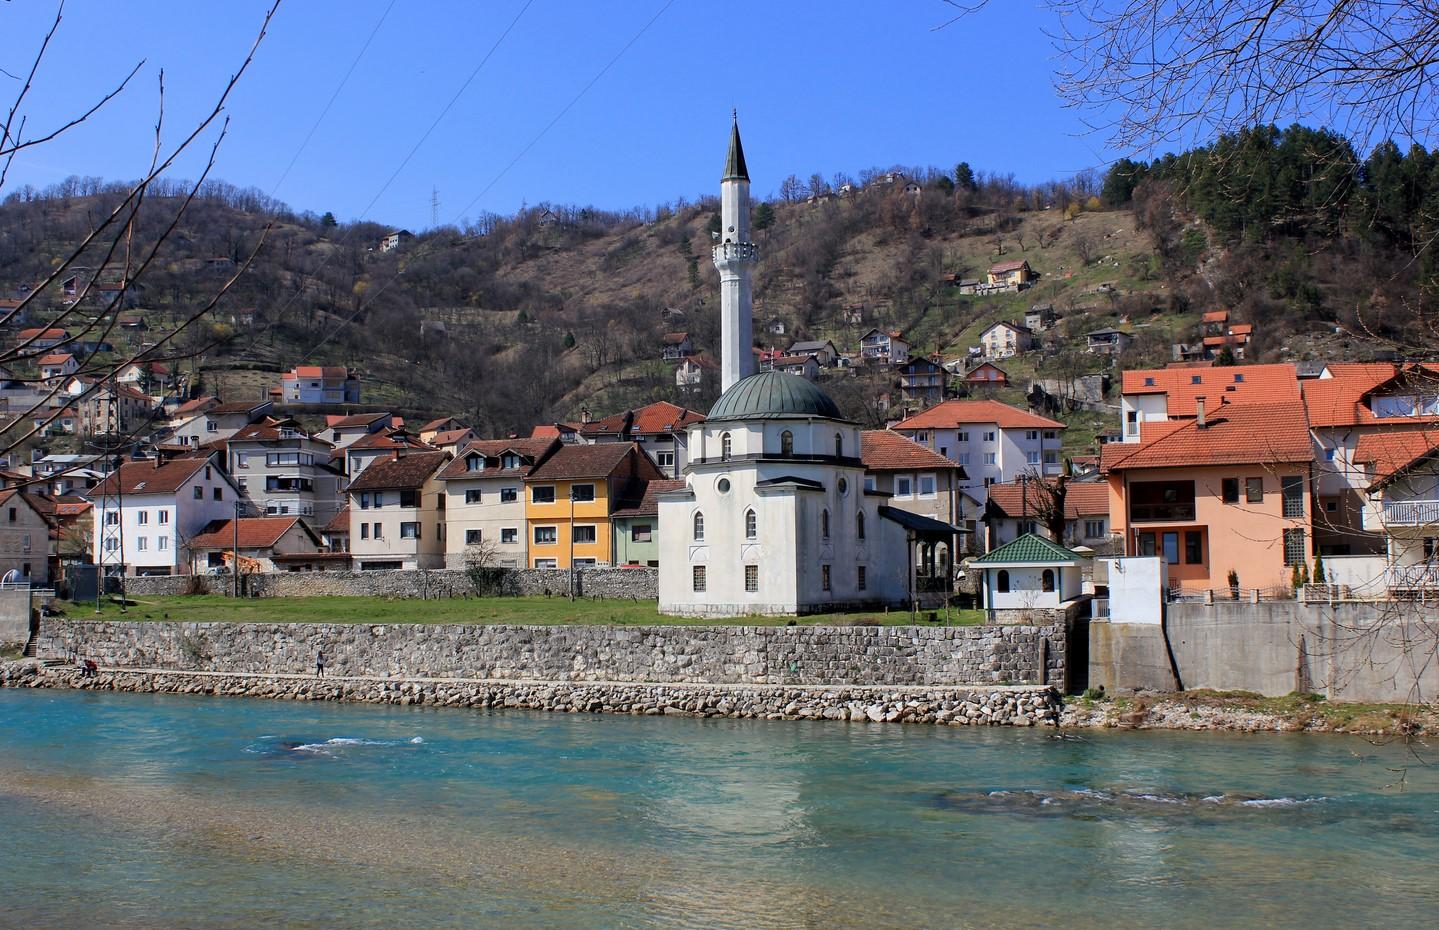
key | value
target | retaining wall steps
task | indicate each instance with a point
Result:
(953, 706)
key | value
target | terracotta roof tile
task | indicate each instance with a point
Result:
(529, 450)
(340, 522)
(407, 471)
(952, 413)
(596, 461)
(1236, 434)
(1216, 316)
(883, 450)
(1081, 498)
(648, 505)
(1390, 454)
(150, 477)
(337, 421)
(1235, 384)
(389, 439)
(254, 533)
(56, 358)
(1339, 400)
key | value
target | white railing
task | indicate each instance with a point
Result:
(1411, 513)
(1414, 576)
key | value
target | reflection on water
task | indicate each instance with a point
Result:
(136, 810)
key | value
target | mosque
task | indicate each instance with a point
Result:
(774, 517)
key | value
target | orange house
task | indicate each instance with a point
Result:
(1230, 491)
(571, 496)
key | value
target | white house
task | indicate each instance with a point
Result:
(485, 500)
(1005, 340)
(165, 505)
(397, 513)
(883, 348)
(1030, 574)
(994, 442)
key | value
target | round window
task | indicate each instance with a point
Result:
(843, 486)
(723, 485)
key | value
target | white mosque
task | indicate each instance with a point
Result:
(774, 517)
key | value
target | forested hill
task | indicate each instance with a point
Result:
(530, 318)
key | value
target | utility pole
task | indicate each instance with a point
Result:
(235, 551)
(434, 207)
(572, 540)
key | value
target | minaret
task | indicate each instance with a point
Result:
(734, 256)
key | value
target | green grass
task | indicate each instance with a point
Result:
(519, 610)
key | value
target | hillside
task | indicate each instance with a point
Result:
(536, 317)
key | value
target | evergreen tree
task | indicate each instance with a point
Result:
(964, 177)
(763, 216)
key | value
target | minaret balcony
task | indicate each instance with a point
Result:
(736, 253)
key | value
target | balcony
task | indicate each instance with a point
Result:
(1161, 513)
(1411, 513)
(738, 253)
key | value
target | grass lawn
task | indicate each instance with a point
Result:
(520, 610)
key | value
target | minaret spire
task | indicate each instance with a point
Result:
(734, 256)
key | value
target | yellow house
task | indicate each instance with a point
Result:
(1015, 274)
(570, 496)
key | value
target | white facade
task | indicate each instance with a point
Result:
(1136, 585)
(735, 256)
(992, 454)
(157, 527)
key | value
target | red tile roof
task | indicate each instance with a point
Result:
(1236, 434)
(56, 358)
(1081, 498)
(53, 333)
(71, 508)
(340, 522)
(197, 405)
(1003, 267)
(1216, 316)
(319, 371)
(883, 450)
(1339, 400)
(406, 472)
(1234, 384)
(450, 437)
(150, 477)
(339, 421)
(674, 339)
(1391, 454)
(529, 450)
(657, 418)
(254, 533)
(442, 424)
(596, 461)
(648, 505)
(388, 439)
(952, 413)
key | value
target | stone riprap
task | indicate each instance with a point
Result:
(728, 655)
(994, 706)
(611, 583)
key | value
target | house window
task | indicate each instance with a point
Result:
(824, 524)
(542, 494)
(1294, 549)
(726, 447)
(472, 537)
(989, 436)
(379, 531)
(963, 458)
(838, 446)
(641, 532)
(582, 493)
(111, 545)
(751, 525)
(991, 458)
(1171, 548)
(546, 535)
(1291, 489)
(860, 580)
(963, 436)
(199, 493)
(1331, 506)
(1051, 434)
(242, 460)
(1051, 458)
(364, 531)
(1046, 581)
(546, 563)
(210, 426)
(697, 578)
(509, 536)
(585, 563)
(162, 543)
(1161, 500)
(903, 486)
(142, 543)
(1329, 454)
(1001, 581)
(751, 578)
(1193, 547)
(1031, 457)
(824, 581)
(409, 498)
(665, 460)
(585, 534)
(1032, 435)
(922, 438)
(142, 517)
(1229, 490)
(1131, 422)
(926, 486)
(364, 500)
(1254, 490)
(859, 525)
(164, 517)
(472, 496)
(944, 451)
(218, 493)
(475, 463)
(244, 484)
(509, 495)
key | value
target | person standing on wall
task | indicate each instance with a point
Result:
(320, 664)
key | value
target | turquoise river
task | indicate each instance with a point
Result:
(121, 810)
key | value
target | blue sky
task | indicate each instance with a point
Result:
(820, 86)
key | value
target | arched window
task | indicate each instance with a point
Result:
(751, 525)
(824, 523)
(859, 525)
(838, 445)
(726, 447)
(1001, 581)
(786, 443)
(1046, 580)
(699, 527)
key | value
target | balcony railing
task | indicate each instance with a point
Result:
(1411, 513)
(1161, 513)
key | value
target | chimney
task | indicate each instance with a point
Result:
(584, 414)
(1199, 412)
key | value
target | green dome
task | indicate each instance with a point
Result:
(774, 395)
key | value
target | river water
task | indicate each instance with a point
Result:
(121, 810)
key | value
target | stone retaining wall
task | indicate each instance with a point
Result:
(789, 655)
(1015, 706)
(617, 583)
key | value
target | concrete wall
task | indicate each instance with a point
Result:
(622, 583)
(711, 655)
(1136, 587)
(14, 616)
(1347, 651)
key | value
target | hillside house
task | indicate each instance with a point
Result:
(264, 540)
(993, 442)
(41, 338)
(57, 365)
(1005, 340)
(435, 428)
(571, 496)
(485, 501)
(1401, 506)
(1040, 317)
(694, 371)
(149, 377)
(1227, 489)
(320, 384)
(393, 240)
(921, 381)
(806, 366)
(676, 346)
(164, 504)
(661, 429)
(397, 512)
(986, 375)
(130, 408)
(343, 429)
(1012, 274)
(1107, 341)
(372, 447)
(878, 347)
(822, 350)
(218, 422)
(1236, 339)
